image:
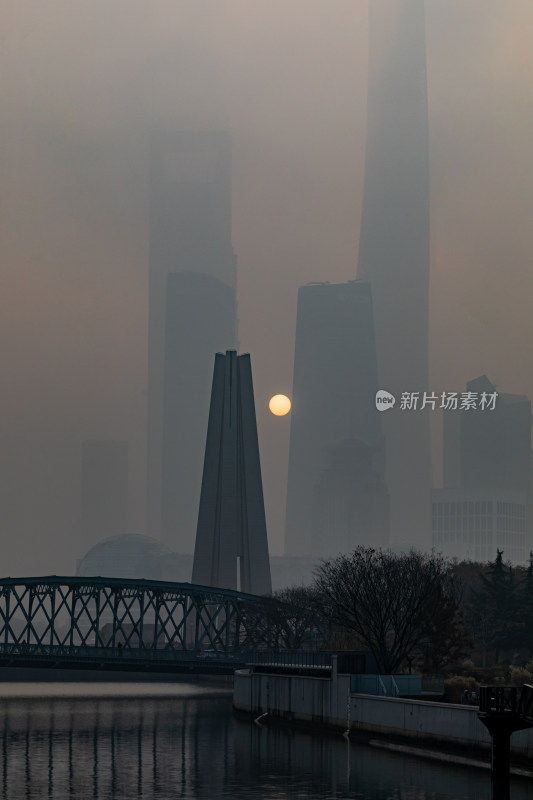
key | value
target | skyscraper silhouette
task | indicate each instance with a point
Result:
(190, 231)
(350, 501)
(489, 449)
(394, 247)
(200, 318)
(334, 388)
(231, 541)
(487, 499)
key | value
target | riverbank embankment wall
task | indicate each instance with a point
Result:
(328, 702)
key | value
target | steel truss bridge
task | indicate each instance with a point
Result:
(132, 625)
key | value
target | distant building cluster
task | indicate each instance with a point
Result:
(356, 476)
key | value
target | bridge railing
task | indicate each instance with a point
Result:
(89, 652)
(502, 699)
(296, 659)
(289, 658)
(525, 705)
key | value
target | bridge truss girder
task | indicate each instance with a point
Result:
(58, 612)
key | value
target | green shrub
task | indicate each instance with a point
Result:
(456, 685)
(519, 676)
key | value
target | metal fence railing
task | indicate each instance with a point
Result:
(499, 699)
(90, 653)
(312, 661)
(281, 658)
(294, 659)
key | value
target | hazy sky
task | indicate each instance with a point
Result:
(82, 86)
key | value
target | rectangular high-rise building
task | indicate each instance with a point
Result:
(488, 448)
(190, 231)
(473, 524)
(350, 501)
(104, 491)
(495, 445)
(486, 503)
(333, 410)
(200, 319)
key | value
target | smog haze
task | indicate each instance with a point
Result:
(85, 86)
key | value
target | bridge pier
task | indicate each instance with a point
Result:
(503, 710)
(500, 763)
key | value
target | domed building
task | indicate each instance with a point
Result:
(134, 556)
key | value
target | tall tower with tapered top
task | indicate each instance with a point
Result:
(231, 540)
(394, 248)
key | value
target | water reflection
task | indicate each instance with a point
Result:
(189, 746)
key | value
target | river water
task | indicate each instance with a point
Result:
(170, 741)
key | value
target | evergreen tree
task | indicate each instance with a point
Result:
(494, 610)
(525, 610)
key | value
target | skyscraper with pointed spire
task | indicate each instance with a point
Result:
(394, 248)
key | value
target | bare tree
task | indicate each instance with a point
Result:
(301, 617)
(395, 604)
(288, 620)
